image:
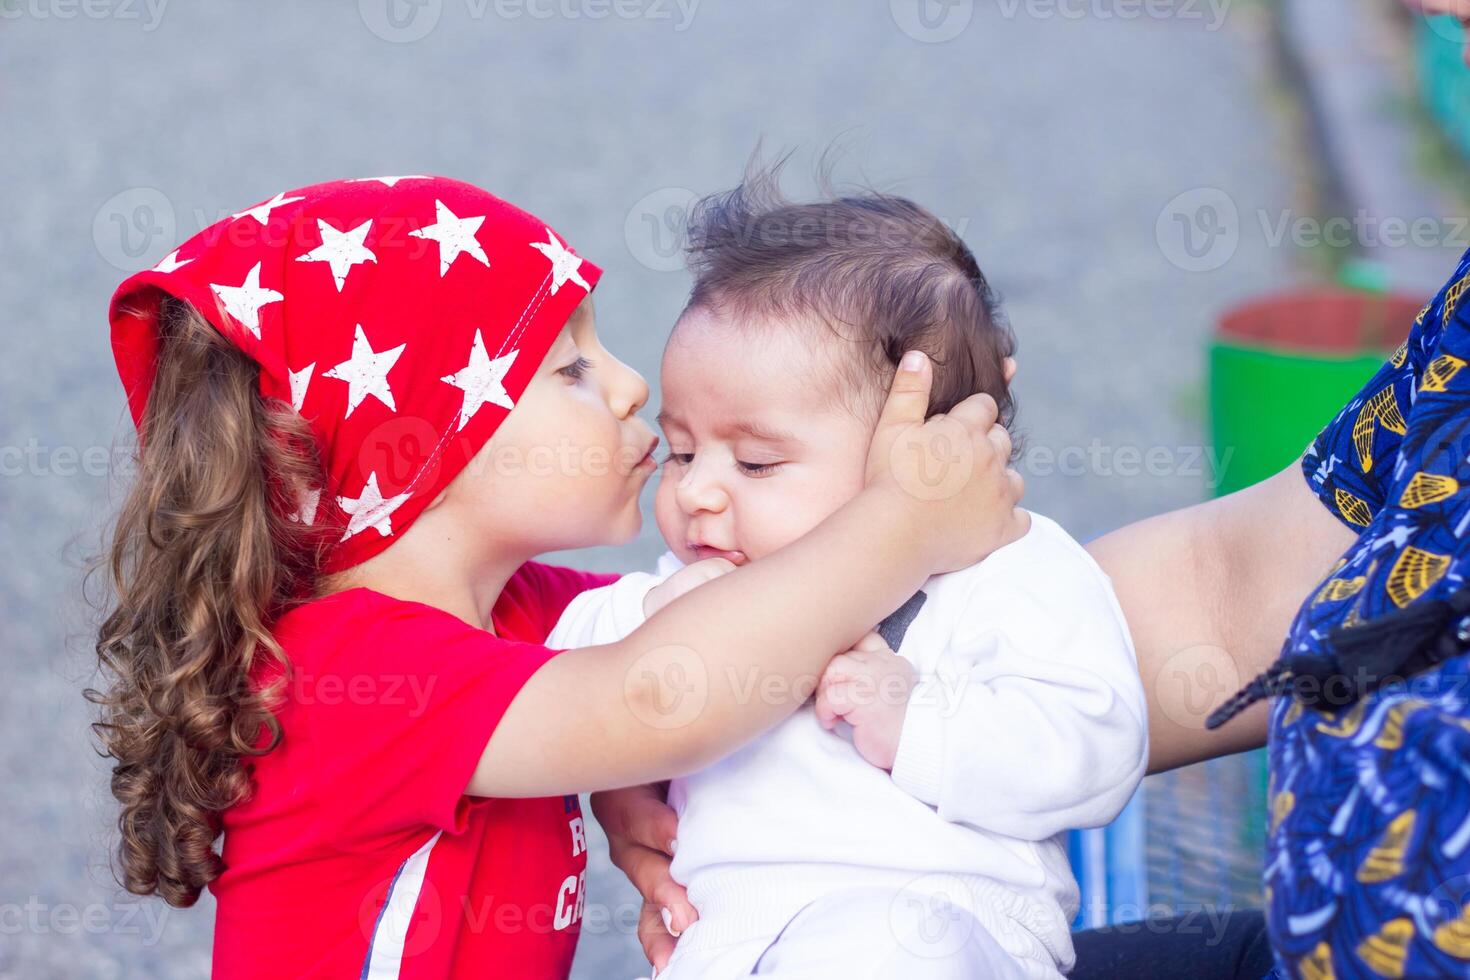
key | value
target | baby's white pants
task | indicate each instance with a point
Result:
(867, 933)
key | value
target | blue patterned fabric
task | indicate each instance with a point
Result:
(1367, 868)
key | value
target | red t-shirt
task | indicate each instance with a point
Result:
(358, 855)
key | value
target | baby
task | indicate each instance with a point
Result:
(908, 823)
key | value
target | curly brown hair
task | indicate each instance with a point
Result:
(204, 555)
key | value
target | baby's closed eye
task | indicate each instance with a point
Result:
(757, 469)
(745, 467)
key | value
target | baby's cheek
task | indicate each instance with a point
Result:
(777, 522)
(671, 522)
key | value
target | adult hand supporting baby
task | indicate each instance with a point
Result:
(640, 830)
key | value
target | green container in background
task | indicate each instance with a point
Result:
(1281, 367)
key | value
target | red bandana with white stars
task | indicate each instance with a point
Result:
(401, 316)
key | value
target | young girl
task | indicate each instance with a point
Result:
(363, 407)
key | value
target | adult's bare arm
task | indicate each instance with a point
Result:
(1209, 592)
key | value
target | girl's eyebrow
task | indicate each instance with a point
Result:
(561, 343)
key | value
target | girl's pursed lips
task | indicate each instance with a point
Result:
(648, 456)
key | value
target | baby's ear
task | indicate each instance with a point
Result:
(1008, 370)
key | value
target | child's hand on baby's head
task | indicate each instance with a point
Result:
(953, 466)
(686, 579)
(868, 687)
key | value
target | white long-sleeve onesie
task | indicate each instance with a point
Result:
(1028, 719)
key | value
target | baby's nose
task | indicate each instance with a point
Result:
(696, 494)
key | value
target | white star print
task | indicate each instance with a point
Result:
(341, 249)
(306, 507)
(262, 212)
(371, 510)
(300, 382)
(243, 302)
(455, 236)
(564, 264)
(387, 181)
(171, 263)
(482, 380)
(366, 372)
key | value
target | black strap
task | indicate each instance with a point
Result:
(1363, 657)
(897, 624)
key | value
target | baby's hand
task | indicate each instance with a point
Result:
(868, 687)
(686, 579)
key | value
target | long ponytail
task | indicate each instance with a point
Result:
(204, 555)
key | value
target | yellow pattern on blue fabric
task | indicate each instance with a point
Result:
(1382, 409)
(1385, 951)
(1452, 298)
(1317, 965)
(1354, 509)
(1377, 821)
(1440, 372)
(1386, 860)
(1414, 572)
(1347, 726)
(1453, 937)
(1428, 488)
(1338, 589)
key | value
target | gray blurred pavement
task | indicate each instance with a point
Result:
(1055, 144)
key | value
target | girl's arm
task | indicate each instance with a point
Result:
(727, 661)
(1209, 593)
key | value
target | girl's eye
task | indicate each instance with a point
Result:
(576, 370)
(757, 469)
(678, 459)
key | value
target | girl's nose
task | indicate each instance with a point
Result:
(627, 391)
(695, 494)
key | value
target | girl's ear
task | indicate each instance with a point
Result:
(442, 496)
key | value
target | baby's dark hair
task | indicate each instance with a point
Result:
(881, 272)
